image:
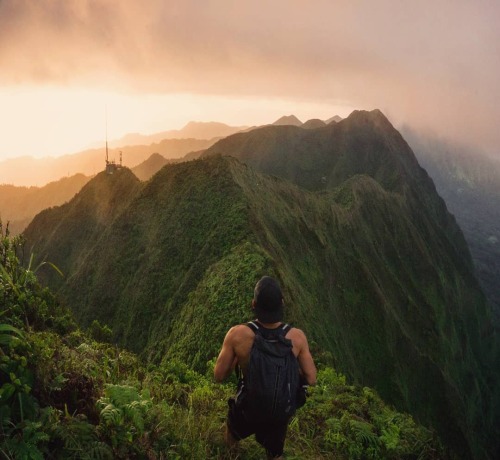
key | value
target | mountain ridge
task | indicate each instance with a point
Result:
(373, 272)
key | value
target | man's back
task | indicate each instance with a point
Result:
(238, 344)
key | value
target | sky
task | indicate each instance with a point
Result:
(72, 69)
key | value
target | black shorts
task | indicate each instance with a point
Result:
(270, 435)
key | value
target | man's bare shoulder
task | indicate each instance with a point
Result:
(239, 332)
(296, 332)
(297, 336)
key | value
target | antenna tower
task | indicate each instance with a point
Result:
(111, 166)
(107, 159)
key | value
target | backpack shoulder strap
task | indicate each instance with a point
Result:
(254, 326)
(285, 329)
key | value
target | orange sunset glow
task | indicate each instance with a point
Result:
(157, 65)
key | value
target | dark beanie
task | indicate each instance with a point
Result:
(268, 300)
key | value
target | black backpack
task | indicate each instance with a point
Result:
(269, 390)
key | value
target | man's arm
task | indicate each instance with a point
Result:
(306, 361)
(226, 359)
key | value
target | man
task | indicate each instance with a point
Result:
(268, 306)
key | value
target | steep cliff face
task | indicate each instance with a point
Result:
(469, 182)
(374, 268)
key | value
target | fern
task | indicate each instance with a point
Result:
(121, 395)
(99, 451)
(123, 403)
(111, 415)
(26, 441)
(76, 434)
(135, 412)
(363, 433)
(390, 436)
(122, 417)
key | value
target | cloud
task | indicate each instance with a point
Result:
(434, 64)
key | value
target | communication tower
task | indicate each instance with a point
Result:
(111, 165)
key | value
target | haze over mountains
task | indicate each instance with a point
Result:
(39, 171)
(193, 130)
(374, 267)
(469, 182)
(18, 205)
(135, 148)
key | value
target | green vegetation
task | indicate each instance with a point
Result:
(374, 269)
(65, 395)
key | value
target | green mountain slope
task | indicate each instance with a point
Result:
(469, 182)
(71, 230)
(374, 268)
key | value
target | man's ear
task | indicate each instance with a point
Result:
(253, 304)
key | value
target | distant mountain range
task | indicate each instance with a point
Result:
(193, 130)
(18, 205)
(333, 119)
(313, 124)
(151, 166)
(292, 120)
(39, 171)
(374, 267)
(135, 148)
